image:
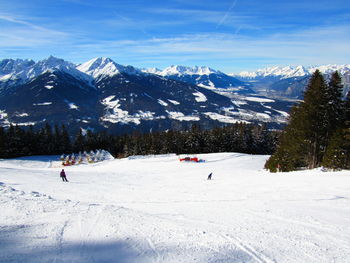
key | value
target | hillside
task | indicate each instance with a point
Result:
(156, 209)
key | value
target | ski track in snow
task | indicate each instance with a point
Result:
(156, 209)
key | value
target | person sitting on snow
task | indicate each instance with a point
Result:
(63, 176)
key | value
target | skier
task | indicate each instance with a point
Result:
(63, 176)
(209, 176)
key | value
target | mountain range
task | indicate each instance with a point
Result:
(289, 82)
(101, 94)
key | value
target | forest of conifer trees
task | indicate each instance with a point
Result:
(318, 132)
(246, 138)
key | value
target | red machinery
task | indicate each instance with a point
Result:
(189, 159)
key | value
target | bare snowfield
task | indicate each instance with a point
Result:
(156, 209)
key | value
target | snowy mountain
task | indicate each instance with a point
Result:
(55, 97)
(9, 68)
(289, 81)
(16, 72)
(182, 70)
(204, 77)
(102, 94)
(291, 72)
(101, 67)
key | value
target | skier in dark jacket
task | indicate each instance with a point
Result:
(63, 176)
(209, 176)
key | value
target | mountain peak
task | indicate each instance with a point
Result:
(184, 70)
(290, 72)
(54, 63)
(9, 66)
(24, 70)
(102, 66)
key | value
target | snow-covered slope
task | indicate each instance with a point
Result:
(156, 209)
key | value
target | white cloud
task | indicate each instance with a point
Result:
(312, 46)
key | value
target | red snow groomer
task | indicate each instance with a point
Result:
(191, 159)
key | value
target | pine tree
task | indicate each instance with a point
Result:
(79, 143)
(335, 102)
(305, 138)
(57, 140)
(317, 123)
(66, 146)
(2, 142)
(291, 150)
(90, 141)
(335, 106)
(337, 155)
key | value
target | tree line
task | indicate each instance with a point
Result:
(16, 141)
(318, 131)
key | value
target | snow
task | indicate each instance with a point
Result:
(23, 114)
(162, 102)
(5, 77)
(200, 97)
(156, 209)
(3, 114)
(222, 118)
(258, 99)
(25, 70)
(263, 115)
(152, 71)
(209, 86)
(51, 64)
(71, 105)
(29, 123)
(283, 113)
(114, 114)
(182, 70)
(42, 104)
(101, 67)
(181, 117)
(174, 102)
(239, 102)
(290, 71)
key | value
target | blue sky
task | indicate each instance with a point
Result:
(231, 36)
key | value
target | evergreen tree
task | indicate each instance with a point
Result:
(57, 140)
(194, 140)
(305, 138)
(66, 146)
(291, 150)
(91, 141)
(2, 143)
(338, 152)
(49, 142)
(79, 143)
(335, 102)
(337, 155)
(317, 123)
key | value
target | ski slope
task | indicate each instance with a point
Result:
(157, 209)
